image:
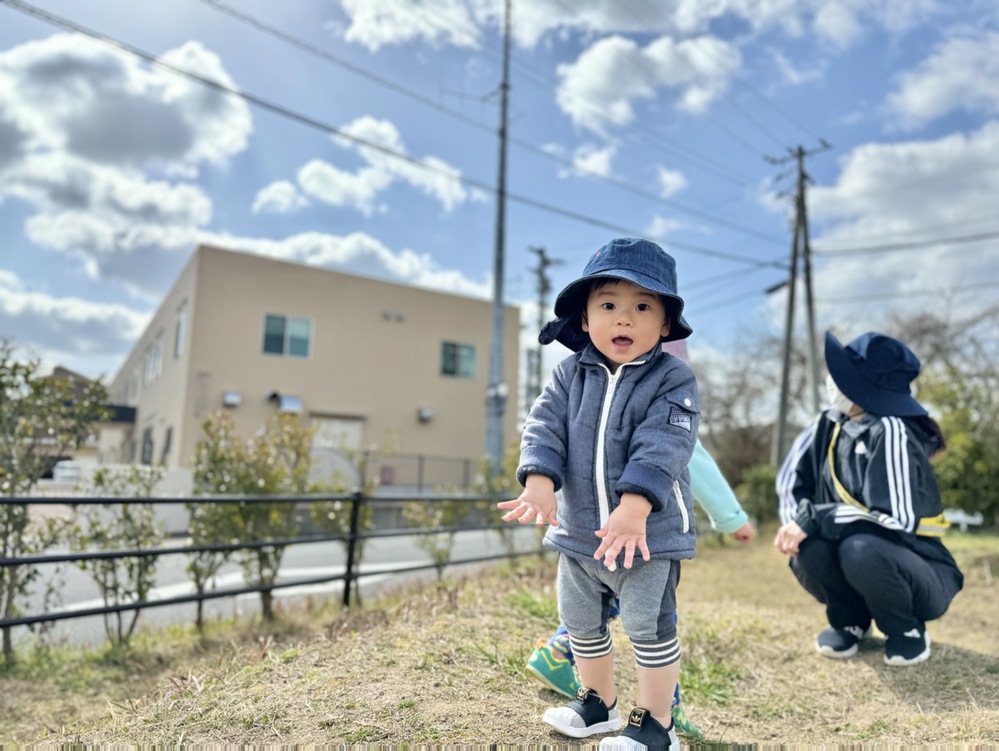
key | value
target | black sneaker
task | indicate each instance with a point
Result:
(642, 732)
(840, 643)
(584, 716)
(907, 649)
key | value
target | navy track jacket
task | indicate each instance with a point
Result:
(886, 485)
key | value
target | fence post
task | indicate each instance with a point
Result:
(419, 473)
(355, 523)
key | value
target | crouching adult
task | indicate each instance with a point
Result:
(860, 505)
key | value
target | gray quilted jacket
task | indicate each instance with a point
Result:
(598, 435)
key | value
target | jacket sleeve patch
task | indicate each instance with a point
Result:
(679, 418)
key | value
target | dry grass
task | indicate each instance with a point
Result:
(444, 667)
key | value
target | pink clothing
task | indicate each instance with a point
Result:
(677, 347)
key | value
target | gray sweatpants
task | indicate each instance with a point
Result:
(647, 596)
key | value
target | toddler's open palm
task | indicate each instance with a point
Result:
(625, 531)
(532, 507)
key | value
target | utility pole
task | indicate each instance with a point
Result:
(535, 375)
(800, 247)
(806, 248)
(497, 391)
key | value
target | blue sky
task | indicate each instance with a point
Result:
(372, 149)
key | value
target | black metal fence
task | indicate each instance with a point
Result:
(477, 518)
(420, 472)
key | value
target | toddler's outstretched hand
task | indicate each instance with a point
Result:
(624, 530)
(537, 504)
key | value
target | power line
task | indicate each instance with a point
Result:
(897, 233)
(909, 245)
(749, 87)
(705, 162)
(740, 273)
(737, 298)
(910, 293)
(313, 50)
(332, 130)
(641, 65)
(295, 41)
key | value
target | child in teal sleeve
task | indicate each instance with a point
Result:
(713, 494)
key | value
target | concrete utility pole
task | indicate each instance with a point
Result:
(497, 391)
(800, 246)
(535, 370)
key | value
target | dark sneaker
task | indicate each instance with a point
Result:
(839, 643)
(586, 715)
(907, 649)
(642, 732)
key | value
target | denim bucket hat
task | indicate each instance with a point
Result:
(638, 261)
(874, 371)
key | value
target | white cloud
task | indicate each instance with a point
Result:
(922, 182)
(280, 197)
(660, 227)
(358, 253)
(376, 23)
(839, 22)
(360, 190)
(592, 160)
(324, 182)
(82, 124)
(587, 17)
(440, 182)
(795, 75)
(670, 181)
(888, 193)
(74, 95)
(961, 74)
(599, 90)
(66, 330)
(94, 212)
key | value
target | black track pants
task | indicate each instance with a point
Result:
(866, 576)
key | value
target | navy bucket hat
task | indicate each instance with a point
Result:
(638, 261)
(874, 371)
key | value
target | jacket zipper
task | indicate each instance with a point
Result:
(603, 504)
(678, 495)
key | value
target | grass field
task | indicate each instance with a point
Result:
(444, 666)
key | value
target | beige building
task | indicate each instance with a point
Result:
(361, 360)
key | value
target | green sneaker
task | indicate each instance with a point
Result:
(555, 672)
(684, 725)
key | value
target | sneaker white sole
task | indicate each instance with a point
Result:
(843, 654)
(900, 661)
(560, 718)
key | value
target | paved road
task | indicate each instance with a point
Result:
(77, 591)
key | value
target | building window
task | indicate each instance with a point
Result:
(167, 440)
(180, 333)
(287, 336)
(147, 446)
(458, 360)
(153, 362)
